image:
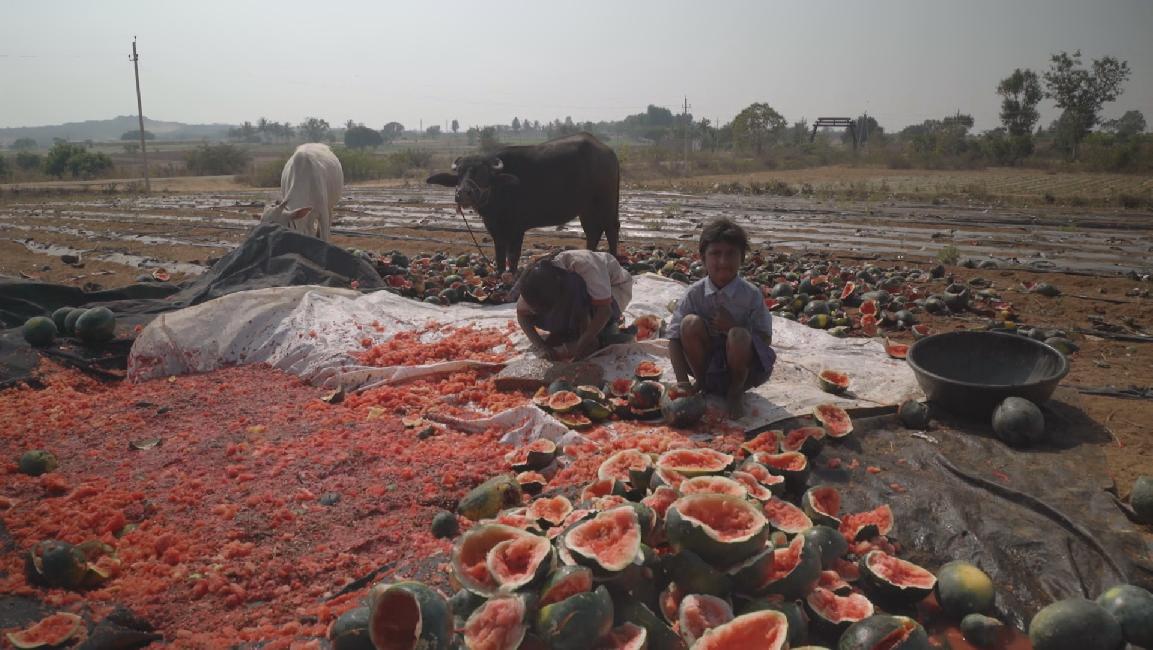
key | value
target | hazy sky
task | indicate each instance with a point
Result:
(485, 62)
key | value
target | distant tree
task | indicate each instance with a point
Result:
(314, 129)
(757, 126)
(1020, 93)
(56, 162)
(24, 144)
(455, 127)
(433, 131)
(135, 135)
(76, 160)
(473, 133)
(1081, 93)
(362, 137)
(246, 132)
(131, 147)
(218, 159)
(1128, 125)
(59, 140)
(28, 161)
(5, 168)
(392, 131)
(263, 128)
(515, 125)
(488, 140)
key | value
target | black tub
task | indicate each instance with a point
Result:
(969, 373)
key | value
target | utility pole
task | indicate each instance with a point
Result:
(140, 117)
(688, 123)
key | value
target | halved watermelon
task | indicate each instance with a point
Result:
(896, 350)
(621, 387)
(792, 465)
(695, 462)
(764, 630)
(786, 517)
(867, 525)
(833, 382)
(835, 419)
(517, 563)
(498, 624)
(647, 370)
(699, 613)
(713, 485)
(627, 466)
(869, 325)
(807, 440)
(608, 543)
(534, 456)
(563, 401)
(752, 486)
(624, 637)
(847, 290)
(551, 511)
(767, 441)
(893, 580)
(822, 503)
(774, 482)
(564, 582)
(836, 613)
(51, 631)
(869, 308)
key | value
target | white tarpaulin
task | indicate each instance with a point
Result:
(313, 332)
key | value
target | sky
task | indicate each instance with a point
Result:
(376, 61)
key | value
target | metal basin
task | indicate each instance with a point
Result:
(969, 373)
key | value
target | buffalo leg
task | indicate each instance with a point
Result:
(513, 251)
(593, 230)
(613, 234)
(501, 247)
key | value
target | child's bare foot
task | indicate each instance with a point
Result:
(735, 404)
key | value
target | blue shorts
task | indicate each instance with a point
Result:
(716, 380)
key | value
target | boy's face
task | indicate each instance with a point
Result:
(722, 262)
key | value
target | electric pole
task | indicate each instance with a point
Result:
(688, 123)
(140, 116)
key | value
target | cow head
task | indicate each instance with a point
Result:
(279, 214)
(475, 178)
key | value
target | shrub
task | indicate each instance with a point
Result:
(949, 255)
(218, 159)
(5, 168)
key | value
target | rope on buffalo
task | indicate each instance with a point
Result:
(470, 234)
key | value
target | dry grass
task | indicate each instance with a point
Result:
(1009, 184)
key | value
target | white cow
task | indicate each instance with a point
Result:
(310, 186)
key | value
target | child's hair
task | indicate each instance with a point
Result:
(541, 285)
(724, 230)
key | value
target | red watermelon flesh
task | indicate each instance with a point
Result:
(496, 625)
(699, 613)
(764, 630)
(550, 511)
(625, 637)
(752, 486)
(786, 517)
(515, 562)
(661, 499)
(839, 609)
(878, 521)
(766, 441)
(835, 419)
(618, 465)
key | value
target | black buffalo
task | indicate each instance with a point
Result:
(549, 184)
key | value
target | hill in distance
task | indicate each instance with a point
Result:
(105, 130)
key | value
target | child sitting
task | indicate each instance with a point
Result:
(721, 330)
(576, 297)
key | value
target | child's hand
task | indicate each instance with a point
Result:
(723, 321)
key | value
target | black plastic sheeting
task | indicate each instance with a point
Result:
(1042, 522)
(271, 257)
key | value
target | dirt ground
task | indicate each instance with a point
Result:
(1100, 258)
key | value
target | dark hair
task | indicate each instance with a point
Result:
(540, 285)
(724, 230)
